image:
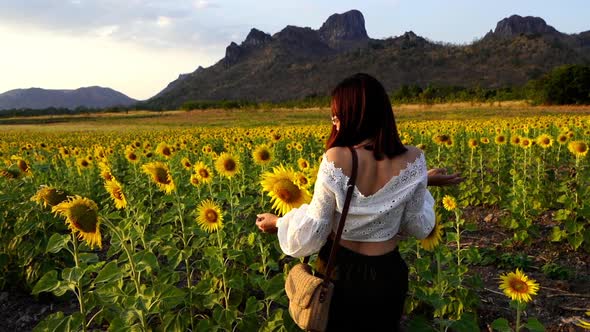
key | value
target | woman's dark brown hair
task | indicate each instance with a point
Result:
(363, 108)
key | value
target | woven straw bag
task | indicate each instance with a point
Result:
(309, 295)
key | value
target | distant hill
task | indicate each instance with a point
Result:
(90, 97)
(296, 62)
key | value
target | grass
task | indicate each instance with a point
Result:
(272, 117)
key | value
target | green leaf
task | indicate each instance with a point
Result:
(47, 283)
(253, 306)
(467, 323)
(145, 260)
(108, 273)
(72, 275)
(501, 325)
(274, 288)
(557, 234)
(534, 325)
(420, 324)
(57, 242)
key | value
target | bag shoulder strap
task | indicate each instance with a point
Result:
(336, 243)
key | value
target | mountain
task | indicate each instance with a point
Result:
(301, 62)
(90, 97)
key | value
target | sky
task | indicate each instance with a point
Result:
(137, 47)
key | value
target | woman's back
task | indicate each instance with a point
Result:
(373, 176)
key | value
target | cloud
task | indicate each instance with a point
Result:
(151, 23)
(163, 21)
(202, 4)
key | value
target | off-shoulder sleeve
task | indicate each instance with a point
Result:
(304, 230)
(419, 218)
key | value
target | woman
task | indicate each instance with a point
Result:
(390, 198)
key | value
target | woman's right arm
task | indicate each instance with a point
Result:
(303, 231)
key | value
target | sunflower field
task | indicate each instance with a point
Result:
(154, 229)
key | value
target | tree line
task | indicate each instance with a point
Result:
(566, 84)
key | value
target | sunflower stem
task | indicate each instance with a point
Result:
(517, 317)
(225, 297)
(187, 264)
(79, 293)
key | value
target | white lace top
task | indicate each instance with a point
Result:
(403, 204)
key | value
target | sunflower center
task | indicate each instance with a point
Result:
(84, 218)
(545, 141)
(287, 191)
(519, 286)
(211, 216)
(84, 163)
(203, 173)
(161, 176)
(264, 155)
(53, 197)
(166, 151)
(229, 165)
(117, 194)
(22, 165)
(580, 147)
(132, 156)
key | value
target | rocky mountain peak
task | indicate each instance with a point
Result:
(528, 25)
(232, 54)
(345, 27)
(256, 38)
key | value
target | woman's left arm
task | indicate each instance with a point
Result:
(439, 177)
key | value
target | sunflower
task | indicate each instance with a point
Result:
(83, 163)
(10, 173)
(421, 146)
(23, 165)
(500, 139)
(515, 140)
(81, 216)
(160, 175)
(433, 239)
(207, 149)
(578, 148)
(472, 143)
(525, 142)
(449, 203)
(585, 324)
(227, 165)
(484, 140)
(209, 216)
(441, 139)
(517, 286)
(282, 186)
(303, 180)
(262, 155)
(49, 196)
(562, 139)
(164, 149)
(303, 164)
(203, 172)
(105, 172)
(114, 188)
(186, 163)
(131, 155)
(544, 141)
(194, 180)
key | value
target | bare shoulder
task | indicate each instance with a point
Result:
(413, 153)
(341, 157)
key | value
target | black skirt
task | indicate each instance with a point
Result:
(369, 291)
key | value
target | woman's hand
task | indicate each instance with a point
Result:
(439, 177)
(267, 222)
